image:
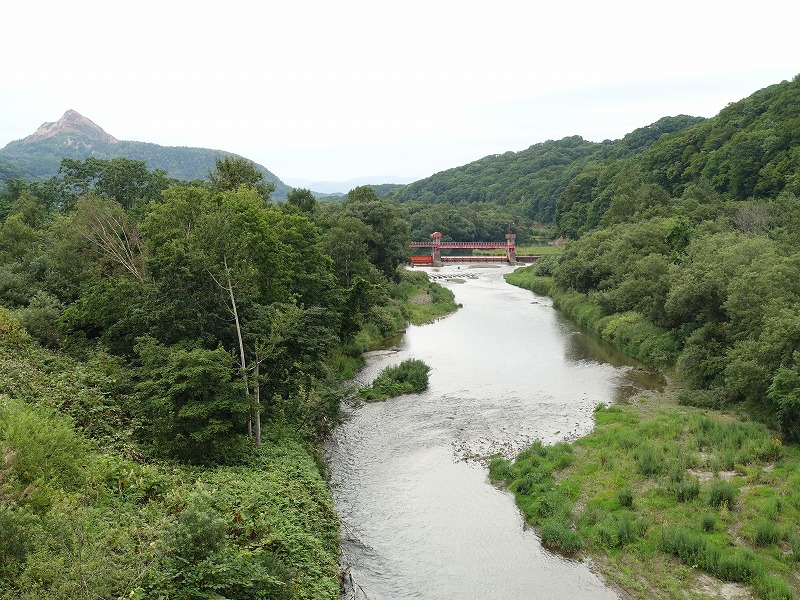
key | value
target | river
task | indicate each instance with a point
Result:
(409, 479)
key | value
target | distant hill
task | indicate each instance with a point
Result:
(74, 136)
(535, 177)
(750, 150)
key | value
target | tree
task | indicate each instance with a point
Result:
(346, 242)
(108, 228)
(303, 200)
(189, 404)
(389, 234)
(214, 255)
(231, 173)
(127, 181)
(784, 392)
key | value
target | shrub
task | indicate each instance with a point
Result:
(627, 532)
(625, 496)
(738, 565)
(648, 460)
(15, 532)
(795, 543)
(772, 588)
(722, 493)
(556, 535)
(694, 549)
(687, 490)
(500, 469)
(11, 332)
(708, 521)
(199, 531)
(41, 445)
(409, 376)
(766, 533)
(41, 319)
(690, 547)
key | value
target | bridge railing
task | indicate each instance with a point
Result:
(461, 245)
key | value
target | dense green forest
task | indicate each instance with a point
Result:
(529, 183)
(688, 256)
(171, 356)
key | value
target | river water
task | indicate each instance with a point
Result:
(409, 479)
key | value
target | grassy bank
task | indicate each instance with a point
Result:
(422, 300)
(414, 299)
(671, 498)
(629, 332)
(526, 277)
(671, 501)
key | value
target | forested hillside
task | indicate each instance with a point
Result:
(171, 355)
(688, 256)
(74, 137)
(531, 181)
(748, 151)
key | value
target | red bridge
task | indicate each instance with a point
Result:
(437, 245)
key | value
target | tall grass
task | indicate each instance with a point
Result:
(638, 478)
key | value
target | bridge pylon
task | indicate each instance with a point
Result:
(436, 248)
(511, 251)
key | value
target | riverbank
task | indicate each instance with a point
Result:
(83, 514)
(669, 501)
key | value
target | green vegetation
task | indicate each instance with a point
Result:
(655, 481)
(408, 377)
(714, 303)
(530, 181)
(171, 357)
(686, 259)
(536, 277)
(81, 512)
(721, 310)
(196, 332)
(423, 301)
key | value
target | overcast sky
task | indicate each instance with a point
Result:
(326, 90)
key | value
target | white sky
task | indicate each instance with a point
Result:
(338, 90)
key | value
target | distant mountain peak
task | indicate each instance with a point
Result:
(72, 122)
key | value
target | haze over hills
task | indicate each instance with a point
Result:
(342, 187)
(75, 136)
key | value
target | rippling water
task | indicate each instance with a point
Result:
(420, 519)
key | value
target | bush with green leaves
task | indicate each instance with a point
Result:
(766, 532)
(42, 452)
(625, 496)
(558, 536)
(41, 319)
(687, 490)
(189, 405)
(408, 377)
(722, 493)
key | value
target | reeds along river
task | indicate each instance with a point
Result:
(420, 519)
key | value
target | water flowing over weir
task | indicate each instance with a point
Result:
(420, 519)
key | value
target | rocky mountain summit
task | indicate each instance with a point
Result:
(72, 123)
(39, 155)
